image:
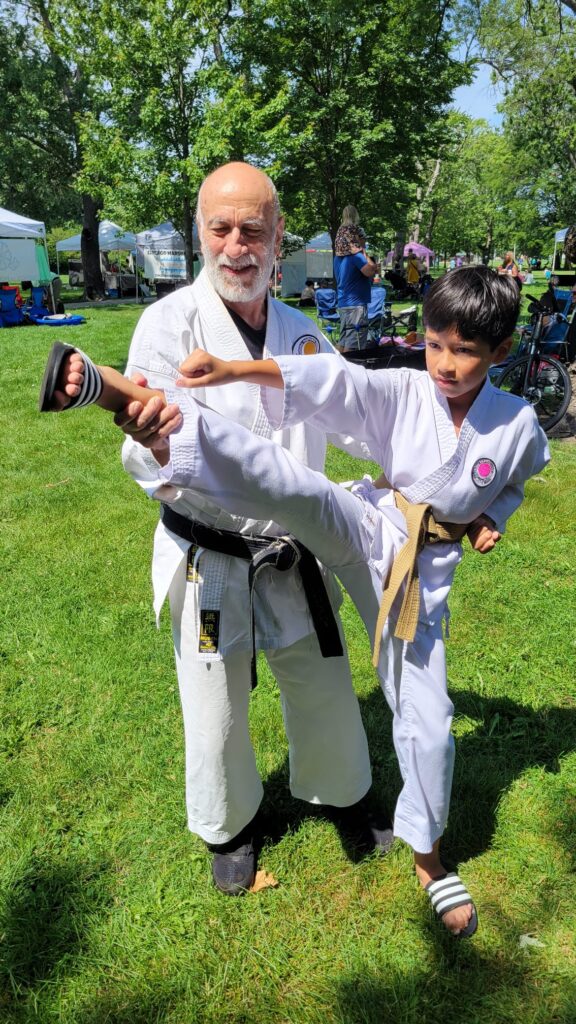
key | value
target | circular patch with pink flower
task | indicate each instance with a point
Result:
(483, 472)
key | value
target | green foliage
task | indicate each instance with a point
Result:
(364, 91)
(483, 200)
(36, 151)
(532, 48)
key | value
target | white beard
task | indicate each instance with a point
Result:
(238, 291)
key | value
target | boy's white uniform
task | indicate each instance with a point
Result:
(407, 426)
(329, 760)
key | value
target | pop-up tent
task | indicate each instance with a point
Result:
(23, 254)
(558, 240)
(111, 238)
(314, 260)
(421, 251)
(161, 252)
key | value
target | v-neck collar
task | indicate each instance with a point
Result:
(452, 448)
(212, 310)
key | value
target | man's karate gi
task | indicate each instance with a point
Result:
(408, 428)
(328, 750)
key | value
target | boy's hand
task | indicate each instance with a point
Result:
(70, 379)
(150, 424)
(482, 535)
(201, 369)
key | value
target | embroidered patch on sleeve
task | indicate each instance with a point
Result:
(306, 345)
(483, 472)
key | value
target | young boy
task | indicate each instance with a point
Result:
(455, 454)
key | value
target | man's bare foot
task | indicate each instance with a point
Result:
(429, 868)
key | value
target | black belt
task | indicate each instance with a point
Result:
(279, 553)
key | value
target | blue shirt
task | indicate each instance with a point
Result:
(353, 286)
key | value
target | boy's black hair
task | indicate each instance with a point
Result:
(477, 302)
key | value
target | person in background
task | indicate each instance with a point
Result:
(354, 271)
(350, 237)
(413, 269)
(307, 295)
(510, 267)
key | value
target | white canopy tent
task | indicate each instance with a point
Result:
(111, 238)
(18, 260)
(558, 239)
(14, 225)
(314, 260)
(161, 252)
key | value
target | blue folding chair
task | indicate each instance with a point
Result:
(37, 303)
(10, 314)
(375, 311)
(326, 302)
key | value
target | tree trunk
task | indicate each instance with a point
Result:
(188, 231)
(90, 250)
(399, 243)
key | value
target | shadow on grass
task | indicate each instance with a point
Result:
(43, 923)
(146, 1008)
(508, 739)
(464, 986)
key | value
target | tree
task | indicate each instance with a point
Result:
(61, 35)
(481, 200)
(359, 91)
(35, 151)
(531, 46)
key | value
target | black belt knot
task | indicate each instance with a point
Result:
(280, 553)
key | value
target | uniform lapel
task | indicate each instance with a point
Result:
(452, 450)
(216, 320)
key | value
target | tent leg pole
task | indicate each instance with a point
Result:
(50, 282)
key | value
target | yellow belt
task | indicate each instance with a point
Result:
(422, 529)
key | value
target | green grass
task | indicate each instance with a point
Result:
(107, 913)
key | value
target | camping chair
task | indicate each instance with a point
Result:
(10, 314)
(326, 301)
(555, 339)
(37, 302)
(375, 311)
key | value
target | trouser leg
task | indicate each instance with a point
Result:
(254, 477)
(329, 761)
(353, 328)
(223, 787)
(414, 682)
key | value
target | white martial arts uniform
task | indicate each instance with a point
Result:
(407, 425)
(328, 750)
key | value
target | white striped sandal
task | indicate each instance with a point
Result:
(447, 893)
(90, 389)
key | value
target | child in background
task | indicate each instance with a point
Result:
(350, 237)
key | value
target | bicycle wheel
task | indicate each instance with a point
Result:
(548, 390)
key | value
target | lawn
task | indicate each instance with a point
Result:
(107, 912)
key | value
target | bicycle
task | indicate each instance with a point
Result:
(539, 377)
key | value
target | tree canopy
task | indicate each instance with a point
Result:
(123, 109)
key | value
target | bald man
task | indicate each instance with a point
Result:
(211, 583)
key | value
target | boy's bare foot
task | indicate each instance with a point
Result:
(445, 888)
